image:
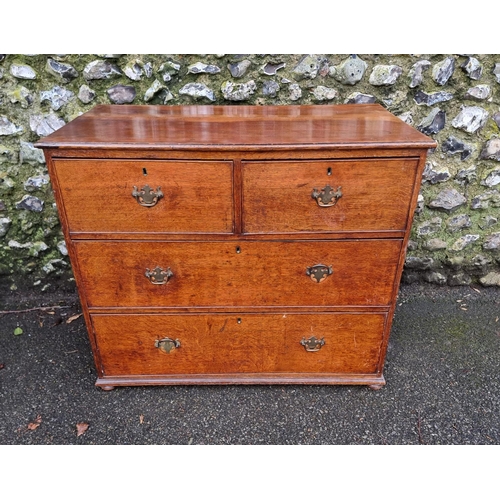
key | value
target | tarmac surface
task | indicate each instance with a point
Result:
(442, 374)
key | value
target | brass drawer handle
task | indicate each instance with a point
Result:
(166, 344)
(327, 197)
(146, 196)
(312, 344)
(319, 272)
(159, 276)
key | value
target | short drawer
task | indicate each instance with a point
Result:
(146, 196)
(333, 195)
(245, 273)
(135, 344)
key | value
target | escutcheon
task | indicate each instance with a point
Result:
(312, 344)
(166, 345)
(146, 196)
(319, 272)
(158, 276)
(327, 197)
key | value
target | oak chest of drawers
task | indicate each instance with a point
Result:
(237, 244)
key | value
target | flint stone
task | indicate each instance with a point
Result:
(270, 88)
(200, 67)
(496, 118)
(133, 71)
(271, 69)
(435, 277)
(416, 72)
(359, 98)
(433, 122)
(467, 175)
(492, 179)
(121, 94)
(31, 203)
(153, 90)
(448, 200)
(101, 70)
(65, 72)
(17, 245)
(459, 222)
(22, 95)
(442, 71)
(491, 150)
(496, 72)
(295, 91)
(2, 205)
(491, 279)
(307, 68)
(432, 98)
(419, 263)
(33, 183)
(321, 93)
(489, 221)
(57, 96)
(53, 265)
(168, 69)
(28, 153)
(459, 279)
(478, 93)
(238, 69)
(61, 246)
(470, 119)
(350, 71)
(464, 241)
(385, 74)
(22, 71)
(406, 117)
(431, 226)
(238, 91)
(452, 145)
(435, 175)
(7, 127)
(37, 247)
(473, 68)
(5, 223)
(486, 200)
(198, 91)
(86, 94)
(435, 244)
(492, 242)
(45, 125)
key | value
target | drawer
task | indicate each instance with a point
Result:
(244, 343)
(245, 273)
(360, 195)
(121, 196)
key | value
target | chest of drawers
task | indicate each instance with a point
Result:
(237, 244)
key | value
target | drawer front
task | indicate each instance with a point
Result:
(335, 195)
(245, 343)
(246, 273)
(123, 196)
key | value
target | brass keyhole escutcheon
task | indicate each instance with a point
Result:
(319, 272)
(146, 196)
(166, 345)
(327, 197)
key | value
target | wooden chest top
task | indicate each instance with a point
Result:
(302, 127)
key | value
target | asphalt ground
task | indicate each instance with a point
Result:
(442, 373)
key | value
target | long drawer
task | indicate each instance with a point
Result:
(146, 196)
(328, 195)
(245, 273)
(245, 343)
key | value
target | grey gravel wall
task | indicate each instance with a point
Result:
(453, 98)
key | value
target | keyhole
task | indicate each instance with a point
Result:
(144, 171)
(329, 171)
(238, 321)
(238, 250)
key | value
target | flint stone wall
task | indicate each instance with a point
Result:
(453, 98)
